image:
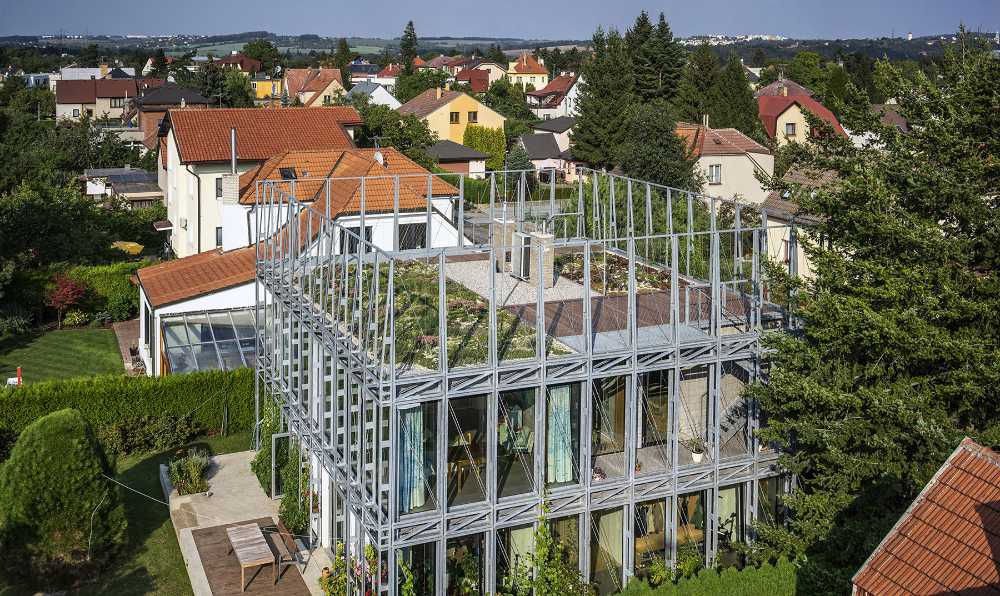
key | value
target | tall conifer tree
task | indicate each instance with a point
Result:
(606, 92)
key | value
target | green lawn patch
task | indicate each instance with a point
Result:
(154, 564)
(61, 354)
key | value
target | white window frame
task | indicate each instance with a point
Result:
(715, 173)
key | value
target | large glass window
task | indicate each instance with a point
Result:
(515, 547)
(606, 550)
(693, 416)
(650, 535)
(731, 526)
(566, 534)
(417, 451)
(734, 437)
(770, 506)
(464, 560)
(412, 235)
(516, 442)
(691, 523)
(419, 559)
(608, 428)
(653, 439)
(466, 450)
(562, 434)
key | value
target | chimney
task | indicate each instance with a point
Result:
(183, 103)
(784, 90)
(232, 150)
(704, 121)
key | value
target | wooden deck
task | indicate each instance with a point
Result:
(223, 570)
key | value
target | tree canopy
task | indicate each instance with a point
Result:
(266, 52)
(408, 48)
(899, 353)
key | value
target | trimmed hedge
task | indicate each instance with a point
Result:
(778, 579)
(490, 141)
(113, 293)
(119, 400)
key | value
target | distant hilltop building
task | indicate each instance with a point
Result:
(909, 36)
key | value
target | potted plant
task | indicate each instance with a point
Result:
(599, 474)
(697, 447)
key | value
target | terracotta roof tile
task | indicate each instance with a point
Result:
(557, 86)
(526, 64)
(946, 542)
(212, 271)
(311, 80)
(88, 90)
(427, 102)
(786, 87)
(203, 135)
(770, 107)
(718, 141)
(478, 80)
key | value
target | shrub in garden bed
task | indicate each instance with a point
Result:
(61, 519)
(187, 473)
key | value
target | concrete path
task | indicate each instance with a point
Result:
(127, 333)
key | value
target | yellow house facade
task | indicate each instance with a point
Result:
(266, 88)
(449, 113)
(526, 70)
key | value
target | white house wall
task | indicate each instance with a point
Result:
(738, 178)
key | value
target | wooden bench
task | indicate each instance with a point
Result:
(284, 543)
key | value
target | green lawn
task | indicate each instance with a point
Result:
(60, 354)
(153, 563)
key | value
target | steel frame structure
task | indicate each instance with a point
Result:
(327, 360)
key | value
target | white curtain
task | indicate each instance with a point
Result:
(411, 459)
(559, 447)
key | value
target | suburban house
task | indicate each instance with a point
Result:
(77, 73)
(783, 212)
(556, 99)
(477, 80)
(496, 70)
(447, 113)
(376, 94)
(784, 117)
(947, 540)
(729, 161)
(458, 158)
(544, 153)
(362, 70)
(313, 86)
(785, 88)
(266, 89)
(98, 182)
(147, 112)
(560, 128)
(437, 63)
(526, 70)
(196, 312)
(456, 64)
(241, 62)
(195, 153)
(98, 98)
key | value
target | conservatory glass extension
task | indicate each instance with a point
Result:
(450, 369)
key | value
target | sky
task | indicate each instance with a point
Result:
(528, 19)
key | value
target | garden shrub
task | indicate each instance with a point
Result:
(50, 489)
(200, 398)
(294, 508)
(147, 433)
(490, 141)
(75, 318)
(187, 473)
(777, 579)
(111, 290)
(270, 422)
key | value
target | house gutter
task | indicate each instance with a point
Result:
(198, 178)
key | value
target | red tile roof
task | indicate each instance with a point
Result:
(786, 87)
(559, 85)
(203, 135)
(393, 69)
(718, 141)
(214, 270)
(948, 541)
(203, 273)
(526, 64)
(311, 80)
(428, 102)
(88, 90)
(478, 80)
(244, 62)
(769, 107)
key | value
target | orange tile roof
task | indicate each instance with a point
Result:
(946, 541)
(203, 273)
(311, 80)
(428, 102)
(212, 271)
(769, 107)
(718, 141)
(203, 135)
(526, 64)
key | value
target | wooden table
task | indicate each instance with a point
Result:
(251, 550)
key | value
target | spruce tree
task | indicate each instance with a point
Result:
(605, 95)
(342, 61)
(668, 58)
(735, 105)
(696, 94)
(408, 48)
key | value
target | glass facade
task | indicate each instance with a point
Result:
(467, 439)
(562, 433)
(516, 442)
(418, 448)
(209, 340)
